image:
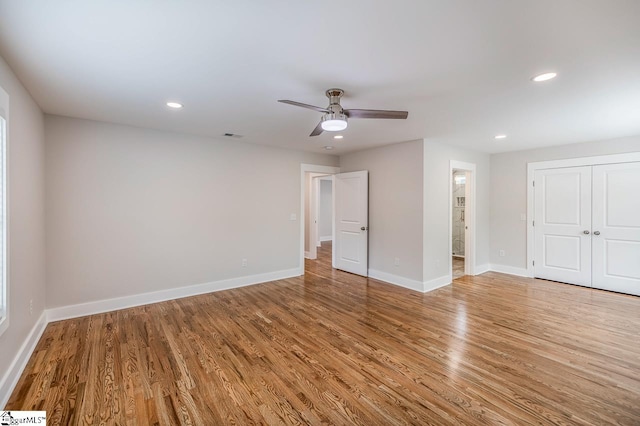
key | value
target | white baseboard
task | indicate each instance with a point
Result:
(100, 306)
(329, 238)
(511, 270)
(409, 283)
(307, 255)
(10, 379)
(437, 283)
(481, 269)
(396, 280)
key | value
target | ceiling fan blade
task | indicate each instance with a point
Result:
(294, 103)
(375, 113)
(317, 130)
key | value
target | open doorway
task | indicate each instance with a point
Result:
(324, 209)
(316, 213)
(320, 225)
(462, 219)
(458, 226)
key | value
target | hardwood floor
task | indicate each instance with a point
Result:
(331, 347)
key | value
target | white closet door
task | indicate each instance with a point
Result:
(616, 227)
(563, 225)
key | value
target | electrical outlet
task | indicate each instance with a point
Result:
(396, 261)
(501, 253)
(244, 263)
(293, 216)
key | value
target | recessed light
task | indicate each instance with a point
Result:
(175, 105)
(500, 136)
(544, 77)
(328, 148)
(338, 137)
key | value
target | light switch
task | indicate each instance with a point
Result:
(293, 217)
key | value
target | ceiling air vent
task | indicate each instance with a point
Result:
(232, 135)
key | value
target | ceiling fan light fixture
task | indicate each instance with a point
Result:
(334, 122)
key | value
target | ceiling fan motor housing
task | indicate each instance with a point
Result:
(334, 96)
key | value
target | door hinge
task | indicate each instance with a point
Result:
(534, 263)
(534, 183)
(534, 223)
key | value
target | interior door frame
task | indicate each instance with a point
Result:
(469, 216)
(308, 168)
(532, 167)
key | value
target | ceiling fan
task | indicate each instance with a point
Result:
(334, 117)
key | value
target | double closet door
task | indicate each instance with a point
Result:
(587, 226)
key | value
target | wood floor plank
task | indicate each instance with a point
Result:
(335, 348)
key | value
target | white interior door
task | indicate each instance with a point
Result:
(563, 225)
(351, 213)
(616, 227)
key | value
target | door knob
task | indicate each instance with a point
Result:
(585, 232)
(596, 233)
(364, 228)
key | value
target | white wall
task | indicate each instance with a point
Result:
(509, 192)
(26, 221)
(133, 210)
(325, 219)
(395, 206)
(437, 175)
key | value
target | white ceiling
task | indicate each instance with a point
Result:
(461, 68)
